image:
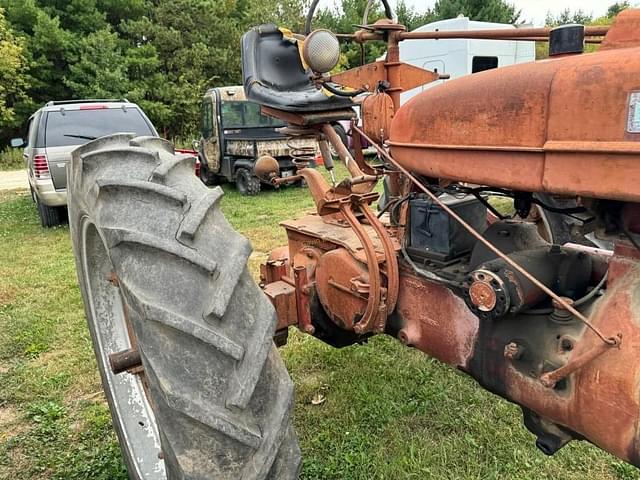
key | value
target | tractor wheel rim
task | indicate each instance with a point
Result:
(131, 410)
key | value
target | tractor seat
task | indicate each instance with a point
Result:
(275, 77)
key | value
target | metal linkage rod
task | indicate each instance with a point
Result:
(511, 33)
(611, 341)
(538, 34)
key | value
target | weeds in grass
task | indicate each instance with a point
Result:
(11, 159)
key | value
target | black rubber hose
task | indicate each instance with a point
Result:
(310, 14)
(387, 9)
(342, 93)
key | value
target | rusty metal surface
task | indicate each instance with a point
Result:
(343, 287)
(610, 339)
(390, 259)
(598, 377)
(350, 163)
(558, 126)
(282, 296)
(541, 33)
(375, 315)
(602, 403)
(358, 154)
(367, 247)
(266, 168)
(316, 232)
(368, 76)
(551, 379)
(303, 293)
(498, 34)
(625, 31)
(377, 111)
(433, 319)
(125, 360)
(276, 266)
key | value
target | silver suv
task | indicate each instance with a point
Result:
(58, 128)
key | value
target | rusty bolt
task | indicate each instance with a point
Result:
(547, 381)
(407, 338)
(403, 337)
(112, 278)
(513, 351)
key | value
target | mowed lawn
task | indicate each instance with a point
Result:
(390, 412)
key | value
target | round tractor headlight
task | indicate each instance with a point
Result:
(321, 51)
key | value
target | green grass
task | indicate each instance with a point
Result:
(11, 159)
(390, 412)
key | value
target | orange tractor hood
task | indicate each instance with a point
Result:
(566, 125)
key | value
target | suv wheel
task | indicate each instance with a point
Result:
(246, 183)
(49, 216)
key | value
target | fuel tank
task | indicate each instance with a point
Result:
(566, 125)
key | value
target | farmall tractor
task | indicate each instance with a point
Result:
(541, 307)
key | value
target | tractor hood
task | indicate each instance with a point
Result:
(569, 124)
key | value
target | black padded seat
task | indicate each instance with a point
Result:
(274, 75)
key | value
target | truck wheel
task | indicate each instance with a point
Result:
(163, 274)
(207, 177)
(49, 216)
(246, 183)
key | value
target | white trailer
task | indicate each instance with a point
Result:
(459, 57)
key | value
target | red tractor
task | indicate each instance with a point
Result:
(541, 306)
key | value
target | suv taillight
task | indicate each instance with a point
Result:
(41, 167)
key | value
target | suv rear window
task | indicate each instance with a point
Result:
(75, 127)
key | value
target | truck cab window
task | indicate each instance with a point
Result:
(207, 120)
(232, 114)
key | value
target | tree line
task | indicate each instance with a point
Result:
(163, 54)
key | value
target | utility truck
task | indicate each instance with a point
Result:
(234, 134)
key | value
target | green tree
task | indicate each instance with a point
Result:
(98, 68)
(567, 16)
(286, 13)
(482, 10)
(616, 8)
(197, 46)
(13, 81)
(411, 18)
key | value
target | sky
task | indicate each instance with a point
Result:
(533, 11)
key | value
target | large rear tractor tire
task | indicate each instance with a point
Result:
(162, 272)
